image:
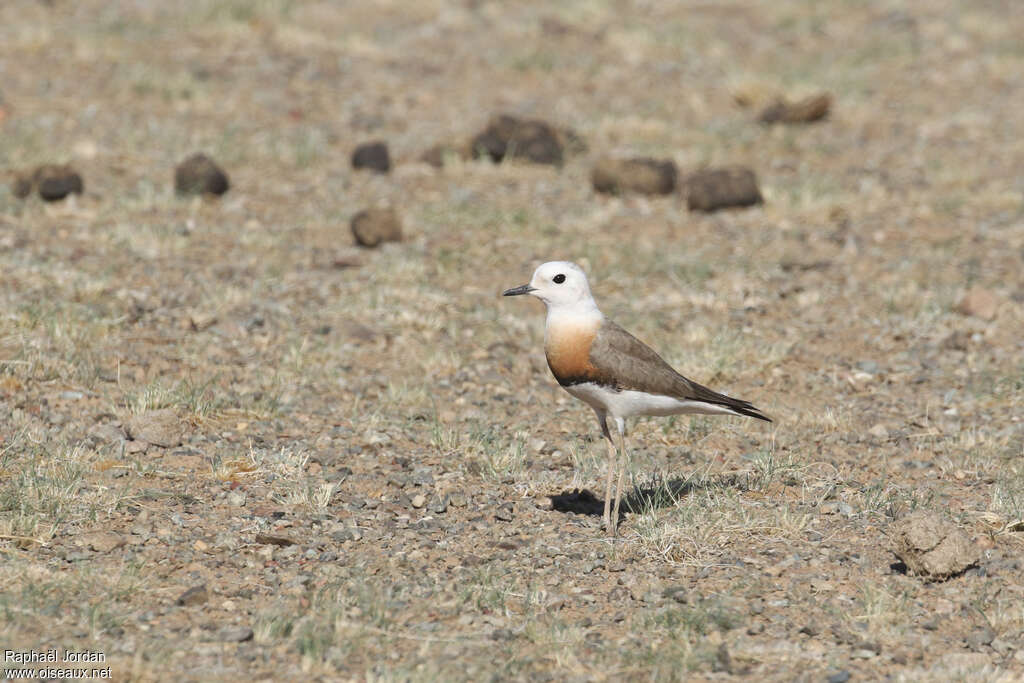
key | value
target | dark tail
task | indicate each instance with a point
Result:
(737, 405)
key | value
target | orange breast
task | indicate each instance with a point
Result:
(567, 348)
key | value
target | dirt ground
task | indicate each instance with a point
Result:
(361, 446)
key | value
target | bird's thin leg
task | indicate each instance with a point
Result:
(607, 520)
(622, 471)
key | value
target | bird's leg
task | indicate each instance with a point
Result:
(622, 471)
(611, 471)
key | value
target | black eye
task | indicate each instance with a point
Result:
(559, 279)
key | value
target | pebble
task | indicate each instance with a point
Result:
(419, 500)
(505, 512)
(236, 499)
(439, 505)
(235, 634)
(197, 595)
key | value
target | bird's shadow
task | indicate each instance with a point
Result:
(658, 493)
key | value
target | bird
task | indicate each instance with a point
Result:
(612, 371)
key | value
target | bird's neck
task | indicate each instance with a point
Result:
(579, 316)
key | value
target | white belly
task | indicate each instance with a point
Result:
(635, 403)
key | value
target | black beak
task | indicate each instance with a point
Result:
(516, 291)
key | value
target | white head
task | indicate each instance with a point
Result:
(558, 284)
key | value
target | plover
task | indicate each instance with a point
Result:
(612, 371)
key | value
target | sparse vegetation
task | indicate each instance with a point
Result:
(366, 439)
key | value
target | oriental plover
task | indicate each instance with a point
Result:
(612, 371)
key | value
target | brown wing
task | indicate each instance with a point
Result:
(622, 361)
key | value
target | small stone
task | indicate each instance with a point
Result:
(980, 303)
(544, 503)
(1002, 647)
(838, 677)
(807, 110)
(236, 499)
(932, 546)
(197, 595)
(458, 499)
(199, 174)
(198, 321)
(419, 500)
(642, 175)
(809, 630)
(105, 434)
(101, 541)
(879, 431)
(980, 638)
(371, 227)
(714, 189)
(439, 505)
(505, 512)
(511, 137)
(268, 539)
(957, 341)
(235, 634)
(161, 427)
(373, 156)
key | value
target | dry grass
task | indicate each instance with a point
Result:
(318, 402)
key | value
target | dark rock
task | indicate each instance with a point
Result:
(374, 226)
(641, 174)
(199, 174)
(807, 110)
(56, 182)
(838, 676)
(373, 156)
(714, 189)
(52, 182)
(197, 595)
(932, 546)
(514, 138)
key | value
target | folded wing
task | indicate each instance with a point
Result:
(616, 354)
